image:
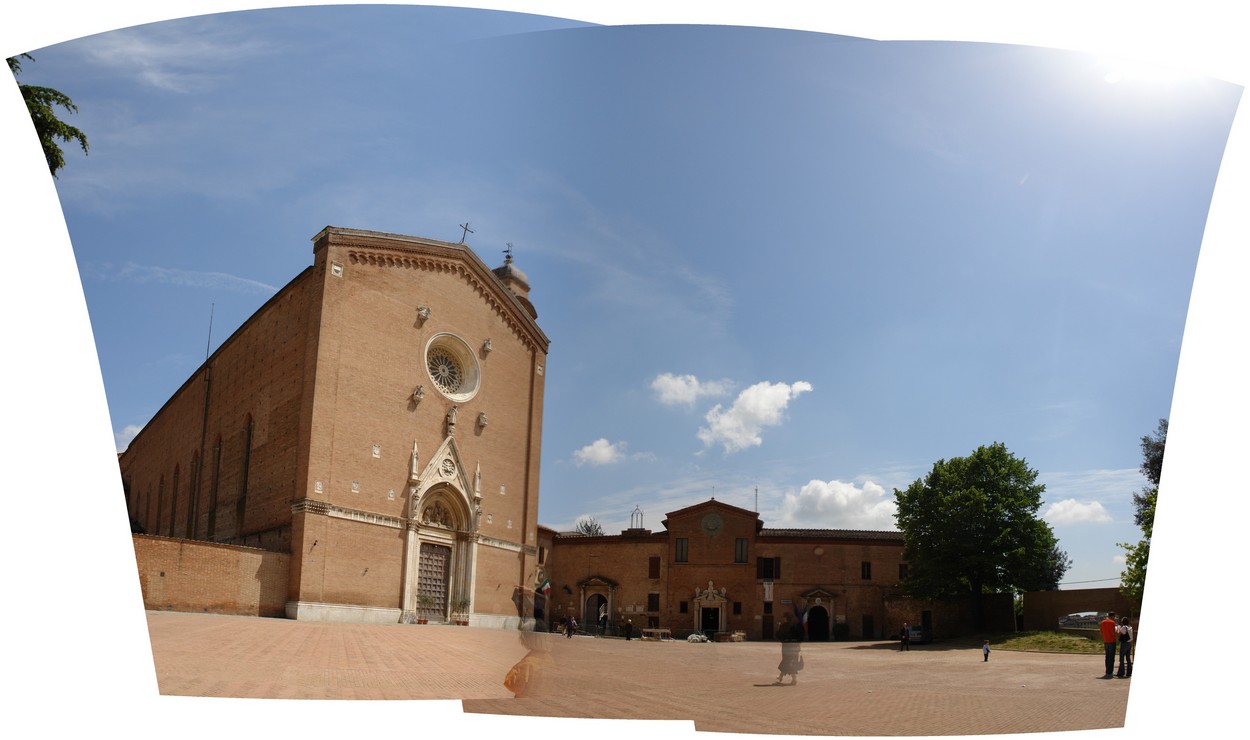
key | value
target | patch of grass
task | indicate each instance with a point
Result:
(1046, 641)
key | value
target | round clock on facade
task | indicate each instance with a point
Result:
(712, 523)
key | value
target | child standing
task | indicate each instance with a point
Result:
(985, 650)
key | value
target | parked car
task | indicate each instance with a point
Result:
(918, 635)
(1082, 620)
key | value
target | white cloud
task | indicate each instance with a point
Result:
(600, 452)
(1071, 511)
(762, 405)
(124, 437)
(174, 56)
(839, 505)
(130, 272)
(684, 390)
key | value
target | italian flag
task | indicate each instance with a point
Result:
(545, 587)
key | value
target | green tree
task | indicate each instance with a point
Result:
(41, 102)
(970, 527)
(1133, 577)
(589, 526)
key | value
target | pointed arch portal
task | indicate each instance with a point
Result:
(441, 543)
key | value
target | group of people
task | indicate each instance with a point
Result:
(1114, 633)
(568, 626)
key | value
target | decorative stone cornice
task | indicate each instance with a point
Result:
(506, 545)
(323, 508)
(456, 267)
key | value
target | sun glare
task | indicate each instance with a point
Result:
(1118, 70)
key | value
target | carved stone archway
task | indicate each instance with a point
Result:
(440, 549)
(709, 599)
(596, 586)
(818, 616)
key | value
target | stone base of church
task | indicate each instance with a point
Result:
(494, 621)
(311, 611)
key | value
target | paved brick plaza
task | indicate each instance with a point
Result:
(845, 688)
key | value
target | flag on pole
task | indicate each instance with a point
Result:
(545, 587)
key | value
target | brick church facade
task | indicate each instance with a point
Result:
(715, 568)
(380, 420)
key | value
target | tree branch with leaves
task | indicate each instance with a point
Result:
(41, 103)
(1136, 556)
(589, 526)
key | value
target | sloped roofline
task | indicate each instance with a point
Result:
(712, 503)
(364, 238)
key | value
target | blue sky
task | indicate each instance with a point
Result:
(705, 283)
(776, 266)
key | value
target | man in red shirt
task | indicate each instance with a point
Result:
(1109, 637)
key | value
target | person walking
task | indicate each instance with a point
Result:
(985, 650)
(904, 639)
(791, 656)
(1110, 634)
(1125, 631)
(572, 627)
(629, 630)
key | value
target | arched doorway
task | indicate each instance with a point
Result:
(438, 579)
(817, 614)
(596, 613)
(597, 600)
(817, 624)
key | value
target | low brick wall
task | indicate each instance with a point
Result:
(955, 617)
(190, 576)
(1042, 609)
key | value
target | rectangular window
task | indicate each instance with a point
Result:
(737, 608)
(902, 571)
(542, 555)
(740, 550)
(684, 608)
(683, 550)
(865, 571)
(768, 607)
(653, 602)
(653, 567)
(768, 568)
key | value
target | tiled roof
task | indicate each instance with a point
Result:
(846, 534)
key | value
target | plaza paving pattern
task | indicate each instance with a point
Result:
(853, 688)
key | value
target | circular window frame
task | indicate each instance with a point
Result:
(453, 345)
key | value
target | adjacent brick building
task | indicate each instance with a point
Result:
(716, 568)
(379, 420)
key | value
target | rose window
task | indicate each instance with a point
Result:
(452, 367)
(445, 371)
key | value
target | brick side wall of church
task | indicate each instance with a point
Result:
(186, 576)
(254, 377)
